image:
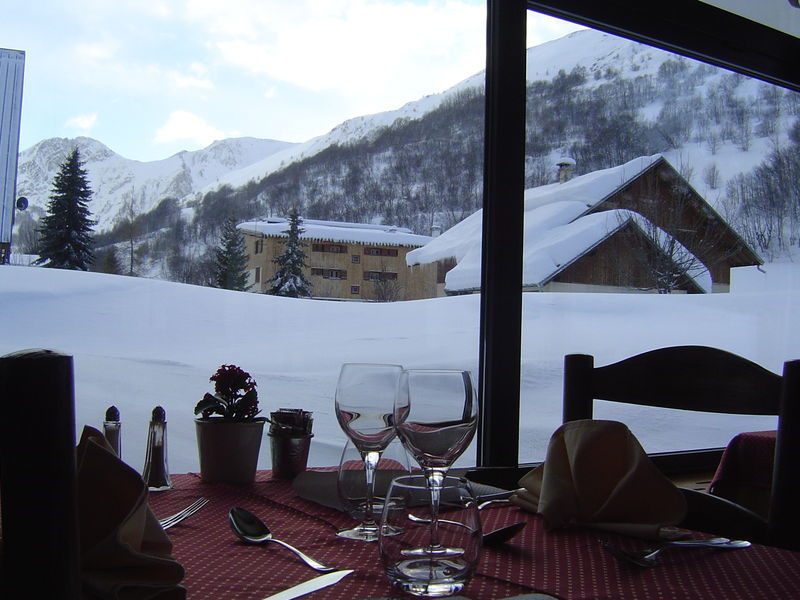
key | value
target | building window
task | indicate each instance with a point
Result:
(372, 251)
(259, 246)
(329, 273)
(257, 275)
(355, 289)
(355, 259)
(379, 276)
(333, 248)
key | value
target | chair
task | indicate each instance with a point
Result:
(706, 379)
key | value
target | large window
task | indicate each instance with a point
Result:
(563, 311)
(155, 333)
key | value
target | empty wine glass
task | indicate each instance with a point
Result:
(436, 411)
(365, 397)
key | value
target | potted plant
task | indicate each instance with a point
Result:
(228, 429)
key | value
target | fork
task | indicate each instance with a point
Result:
(648, 557)
(179, 516)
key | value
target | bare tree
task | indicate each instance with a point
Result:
(127, 223)
(386, 287)
(681, 240)
(711, 176)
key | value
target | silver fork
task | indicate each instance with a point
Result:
(179, 516)
(649, 556)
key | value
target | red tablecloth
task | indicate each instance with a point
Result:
(744, 474)
(567, 564)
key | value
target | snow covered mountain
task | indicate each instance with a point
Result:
(116, 181)
(711, 124)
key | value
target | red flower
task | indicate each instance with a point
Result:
(236, 398)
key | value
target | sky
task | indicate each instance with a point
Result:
(137, 343)
(149, 79)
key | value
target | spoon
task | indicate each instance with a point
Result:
(252, 530)
(490, 538)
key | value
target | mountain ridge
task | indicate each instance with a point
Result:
(599, 99)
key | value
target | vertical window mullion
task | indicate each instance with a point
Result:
(501, 277)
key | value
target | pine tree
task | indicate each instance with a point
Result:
(230, 259)
(289, 279)
(109, 262)
(65, 240)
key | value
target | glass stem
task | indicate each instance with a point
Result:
(435, 480)
(370, 465)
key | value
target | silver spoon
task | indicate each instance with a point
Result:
(252, 530)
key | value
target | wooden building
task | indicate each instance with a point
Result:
(345, 261)
(638, 227)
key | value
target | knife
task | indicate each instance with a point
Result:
(312, 585)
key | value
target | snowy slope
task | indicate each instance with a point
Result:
(139, 343)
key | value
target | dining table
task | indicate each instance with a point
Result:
(570, 563)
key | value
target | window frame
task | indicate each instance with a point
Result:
(690, 28)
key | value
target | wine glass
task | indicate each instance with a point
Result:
(436, 411)
(365, 397)
(350, 481)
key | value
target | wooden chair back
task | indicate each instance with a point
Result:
(701, 378)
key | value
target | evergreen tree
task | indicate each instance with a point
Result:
(230, 259)
(65, 240)
(289, 279)
(109, 262)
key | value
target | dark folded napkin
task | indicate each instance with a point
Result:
(125, 553)
(597, 474)
(321, 486)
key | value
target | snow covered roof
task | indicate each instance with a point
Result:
(557, 230)
(335, 231)
(590, 189)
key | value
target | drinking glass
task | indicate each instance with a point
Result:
(436, 411)
(365, 395)
(406, 537)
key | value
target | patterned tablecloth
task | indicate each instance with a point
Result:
(744, 474)
(567, 564)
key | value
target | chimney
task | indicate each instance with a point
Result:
(436, 230)
(566, 166)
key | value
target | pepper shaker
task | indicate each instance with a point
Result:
(156, 471)
(112, 430)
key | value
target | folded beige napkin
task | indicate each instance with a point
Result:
(597, 474)
(125, 554)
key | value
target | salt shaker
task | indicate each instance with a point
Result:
(112, 430)
(156, 471)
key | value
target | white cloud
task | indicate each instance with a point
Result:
(374, 54)
(93, 52)
(83, 123)
(184, 126)
(378, 54)
(183, 82)
(542, 28)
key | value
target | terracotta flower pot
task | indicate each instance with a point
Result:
(228, 449)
